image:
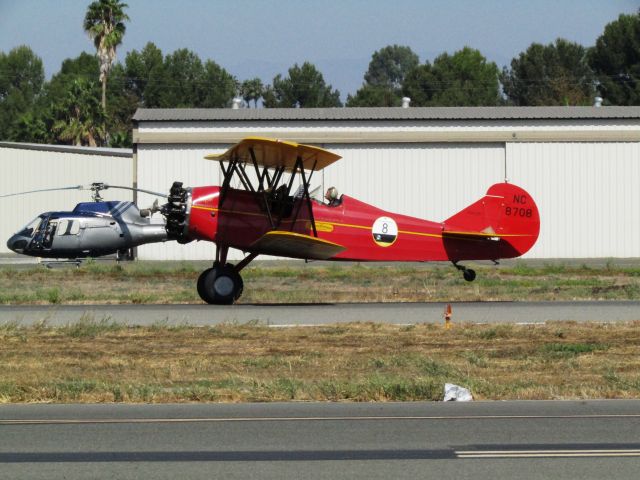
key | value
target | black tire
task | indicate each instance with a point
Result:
(200, 284)
(469, 275)
(220, 285)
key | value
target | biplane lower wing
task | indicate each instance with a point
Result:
(290, 244)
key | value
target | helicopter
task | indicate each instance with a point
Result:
(91, 229)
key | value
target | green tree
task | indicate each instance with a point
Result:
(304, 87)
(375, 96)
(37, 125)
(219, 86)
(85, 66)
(79, 117)
(21, 80)
(385, 77)
(180, 79)
(144, 75)
(251, 90)
(122, 105)
(32, 127)
(465, 78)
(183, 80)
(615, 60)
(104, 22)
(554, 74)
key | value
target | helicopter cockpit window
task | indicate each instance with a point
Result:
(68, 227)
(31, 227)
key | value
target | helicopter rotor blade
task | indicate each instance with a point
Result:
(95, 187)
(76, 187)
(150, 192)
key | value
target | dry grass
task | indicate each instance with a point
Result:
(105, 362)
(175, 283)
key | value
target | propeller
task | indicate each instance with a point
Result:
(95, 187)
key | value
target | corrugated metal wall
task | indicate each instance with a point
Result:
(588, 195)
(31, 170)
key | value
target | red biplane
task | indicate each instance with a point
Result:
(265, 216)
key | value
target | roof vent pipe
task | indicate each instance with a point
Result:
(405, 102)
(597, 102)
(235, 103)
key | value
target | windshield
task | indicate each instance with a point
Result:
(31, 227)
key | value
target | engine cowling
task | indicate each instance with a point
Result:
(176, 211)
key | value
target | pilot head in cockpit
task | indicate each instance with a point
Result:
(332, 196)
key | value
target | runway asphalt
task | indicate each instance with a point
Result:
(317, 314)
(492, 440)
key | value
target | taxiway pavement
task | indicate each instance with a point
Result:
(493, 440)
(317, 314)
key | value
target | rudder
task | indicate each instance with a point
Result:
(505, 223)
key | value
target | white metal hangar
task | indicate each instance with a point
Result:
(581, 164)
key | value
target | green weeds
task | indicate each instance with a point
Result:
(564, 350)
(88, 327)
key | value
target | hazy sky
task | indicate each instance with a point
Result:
(263, 38)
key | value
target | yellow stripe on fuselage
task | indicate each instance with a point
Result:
(252, 214)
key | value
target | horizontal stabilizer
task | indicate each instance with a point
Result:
(296, 245)
(470, 235)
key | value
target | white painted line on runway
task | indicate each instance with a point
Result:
(547, 453)
(302, 419)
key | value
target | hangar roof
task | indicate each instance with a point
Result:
(100, 151)
(386, 113)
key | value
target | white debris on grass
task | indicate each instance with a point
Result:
(456, 393)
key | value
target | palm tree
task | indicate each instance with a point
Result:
(252, 90)
(79, 119)
(104, 22)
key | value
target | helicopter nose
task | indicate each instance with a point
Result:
(17, 243)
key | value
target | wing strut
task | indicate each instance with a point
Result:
(275, 201)
(261, 189)
(306, 198)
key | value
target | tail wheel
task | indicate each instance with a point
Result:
(220, 285)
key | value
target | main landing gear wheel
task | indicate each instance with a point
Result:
(200, 284)
(220, 285)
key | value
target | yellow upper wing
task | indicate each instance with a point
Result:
(273, 153)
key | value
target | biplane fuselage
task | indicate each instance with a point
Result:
(359, 231)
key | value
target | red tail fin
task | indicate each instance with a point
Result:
(503, 224)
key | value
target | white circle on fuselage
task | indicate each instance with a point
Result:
(384, 231)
